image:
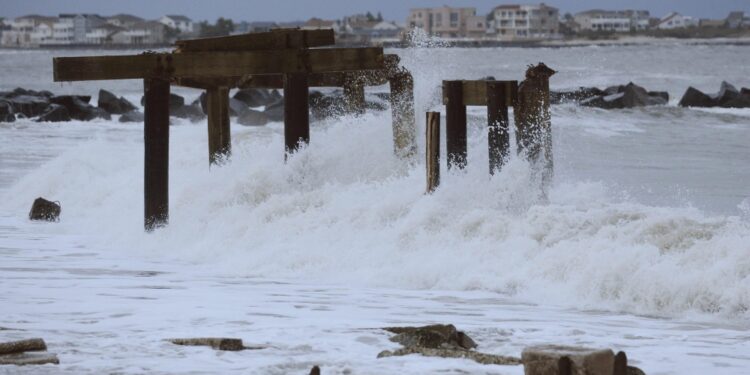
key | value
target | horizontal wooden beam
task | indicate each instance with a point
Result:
(274, 39)
(216, 64)
(475, 92)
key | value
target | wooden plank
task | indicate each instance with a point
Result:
(475, 92)
(296, 112)
(432, 151)
(455, 125)
(216, 64)
(498, 137)
(275, 39)
(156, 158)
(219, 139)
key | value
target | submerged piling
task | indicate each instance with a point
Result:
(219, 137)
(296, 111)
(432, 151)
(498, 137)
(534, 122)
(156, 156)
(455, 124)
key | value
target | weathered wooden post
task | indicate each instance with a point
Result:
(219, 137)
(354, 94)
(498, 137)
(455, 124)
(402, 111)
(156, 157)
(533, 120)
(296, 111)
(432, 151)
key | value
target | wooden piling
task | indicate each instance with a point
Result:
(354, 94)
(156, 157)
(296, 111)
(533, 120)
(402, 111)
(498, 137)
(621, 364)
(432, 150)
(219, 137)
(455, 125)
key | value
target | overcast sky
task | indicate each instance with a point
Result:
(288, 10)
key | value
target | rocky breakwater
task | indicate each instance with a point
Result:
(613, 97)
(727, 97)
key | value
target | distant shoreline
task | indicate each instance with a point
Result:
(443, 43)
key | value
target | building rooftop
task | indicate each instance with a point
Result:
(180, 18)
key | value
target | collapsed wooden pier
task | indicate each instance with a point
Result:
(284, 58)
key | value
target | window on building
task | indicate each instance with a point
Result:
(454, 19)
(439, 20)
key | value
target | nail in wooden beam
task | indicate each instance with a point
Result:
(296, 111)
(497, 119)
(156, 158)
(402, 111)
(354, 94)
(219, 137)
(455, 124)
(432, 150)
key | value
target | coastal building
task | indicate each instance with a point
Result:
(676, 20)
(177, 22)
(19, 31)
(123, 20)
(618, 21)
(511, 22)
(445, 22)
(245, 27)
(737, 20)
(317, 23)
(102, 34)
(143, 33)
(81, 24)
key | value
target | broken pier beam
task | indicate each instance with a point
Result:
(219, 137)
(156, 156)
(296, 111)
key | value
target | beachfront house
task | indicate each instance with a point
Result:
(177, 22)
(317, 23)
(142, 33)
(102, 34)
(123, 20)
(617, 21)
(444, 22)
(676, 20)
(514, 22)
(22, 31)
(81, 24)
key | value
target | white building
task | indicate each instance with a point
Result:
(82, 24)
(102, 34)
(123, 20)
(444, 22)
(675, 20)
(143, 33)
(511, 22)
(618, 21)
(28, 31)
(182, 23)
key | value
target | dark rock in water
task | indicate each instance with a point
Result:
(191, 112)
(112, 104)
(696, 98)
(236, 107)
(660, 94)
(79, 108)
(217, 343)
(24, 92)
(175, 101)
(54, 113)
(632, 370)
(745, 91)
(202, 101)
(433, 336)
(6, 112)
(574, 96)
(43, 209)
(315, 370)
(257, 97)
(611, 90)
(252, 117)
(132, 116)
(629, 96)
(482, 358)
(275, 111)
(29, 106)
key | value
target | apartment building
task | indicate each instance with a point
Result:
(618, 21)
(447, 22)
(512, 22)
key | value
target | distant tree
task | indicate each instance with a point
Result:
(222, 27)
(380, 17)
(370, 17)
(568, 17)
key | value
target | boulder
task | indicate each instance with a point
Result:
(236, 107)
(193, 113)
(29, 106)
(217, 343)
(660, 94)
(435, 336)
(132, 116)
(696, 98)
(112, 104)
(257, 97)
(275, 111)
(43, 209)
(54, 113)
(629, 96)
(727, 94)
(79, 108)
(548, 360)
(252, 117)
(175, 101)
(6, 112)
(20, 346)
(574, 96)
(28, 359)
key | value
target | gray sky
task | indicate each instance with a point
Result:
(288, 10)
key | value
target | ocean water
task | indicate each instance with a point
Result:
(643, 245)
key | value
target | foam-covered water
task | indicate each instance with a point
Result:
(649, 212)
